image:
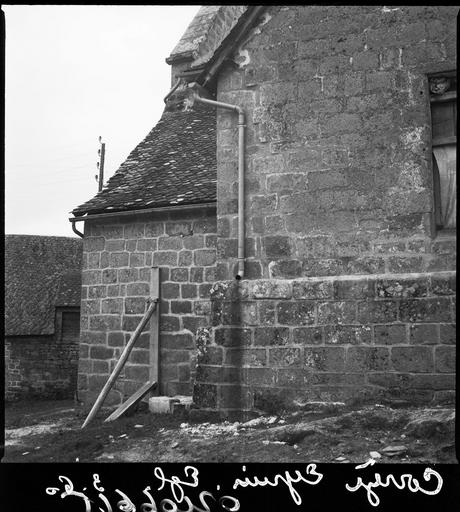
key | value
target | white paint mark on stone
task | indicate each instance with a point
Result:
(410, 76)
(321, 79)
(245, 55)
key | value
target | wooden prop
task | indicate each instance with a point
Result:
(132, 400)
(127, 350)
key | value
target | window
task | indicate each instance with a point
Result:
(70, 326)
(443, 98)
(67, 324)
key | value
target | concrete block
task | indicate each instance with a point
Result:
(160, 404)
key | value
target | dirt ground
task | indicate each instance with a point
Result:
(51, 432)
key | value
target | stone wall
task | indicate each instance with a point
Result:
(349, 291)
(40, 367)
(276, 344)
(356, 296)
(118, 255)
(339, 171)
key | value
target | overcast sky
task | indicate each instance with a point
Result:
(74, 73)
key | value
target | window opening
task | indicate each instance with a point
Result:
(443, 98)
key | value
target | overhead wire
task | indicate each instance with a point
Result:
(47, 162)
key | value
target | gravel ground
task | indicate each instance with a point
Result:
(51, 432)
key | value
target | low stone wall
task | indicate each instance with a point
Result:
(276, 344)
(39, 367)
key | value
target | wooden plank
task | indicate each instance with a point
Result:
(132, 400)
(443, 141)
(121, 362)
(154, 346)
(447, 96)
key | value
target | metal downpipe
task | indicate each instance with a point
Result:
(241, 234)
(241, 151)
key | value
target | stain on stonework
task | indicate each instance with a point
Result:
(309, 360)
(218, 290)
(413, 136)
(410, 176)
(203, 337)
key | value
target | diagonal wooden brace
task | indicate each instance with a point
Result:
(132, 400)
(153, 303)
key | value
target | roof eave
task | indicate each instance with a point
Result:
(142, 211)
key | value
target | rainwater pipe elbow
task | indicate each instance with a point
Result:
(75, 230)
(173, 89)
(195, 97)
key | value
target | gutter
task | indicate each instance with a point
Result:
(124, 213)
(194, 96)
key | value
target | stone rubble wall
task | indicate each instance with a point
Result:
(117, 260)
(339, 171)
(276, 344)
(339, 225)
(40, 367)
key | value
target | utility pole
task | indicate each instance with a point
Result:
(100, 164)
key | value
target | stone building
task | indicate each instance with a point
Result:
(42, 316)
(348, 116)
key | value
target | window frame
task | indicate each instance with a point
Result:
(449, 96)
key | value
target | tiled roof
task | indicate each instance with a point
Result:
(41, 272)
(69, 290)
(174, 165)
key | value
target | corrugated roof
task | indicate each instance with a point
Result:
(41, 272)
(174, 165)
